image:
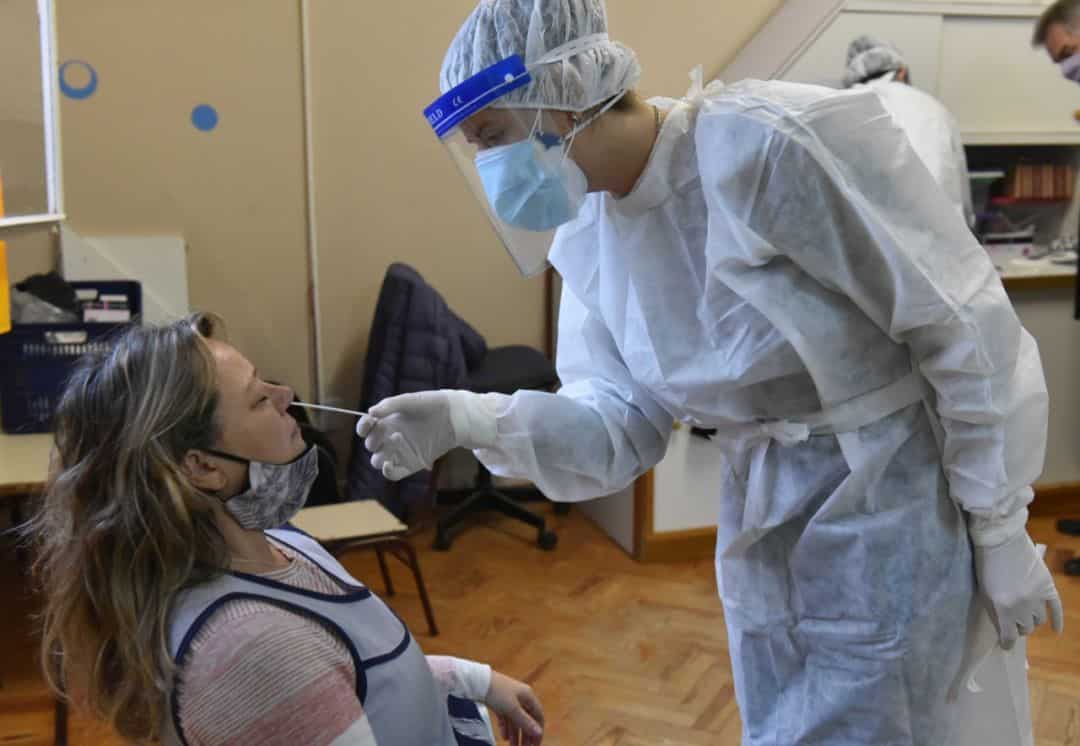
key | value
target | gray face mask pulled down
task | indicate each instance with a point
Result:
(1070, 68)
(275, 492)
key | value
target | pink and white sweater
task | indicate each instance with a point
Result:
(260, 674)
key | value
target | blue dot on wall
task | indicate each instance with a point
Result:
(78, 79)
(204, 117)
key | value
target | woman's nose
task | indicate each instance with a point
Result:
(284, 396)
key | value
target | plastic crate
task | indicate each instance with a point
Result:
(36, 360)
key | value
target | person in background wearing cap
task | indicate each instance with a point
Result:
(774, 261)
(929, 126)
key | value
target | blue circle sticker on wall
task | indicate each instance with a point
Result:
(204, 117)
(70, 85)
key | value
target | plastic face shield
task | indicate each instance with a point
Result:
(514, 168)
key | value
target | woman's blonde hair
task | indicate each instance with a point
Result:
(121, 530)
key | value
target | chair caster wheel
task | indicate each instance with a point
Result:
(1070, 526)
(548, 540)
(442, 542)
(562, 508)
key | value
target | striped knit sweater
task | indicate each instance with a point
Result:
(259, 674)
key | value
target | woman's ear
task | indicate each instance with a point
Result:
(560, 122)
(202, 472)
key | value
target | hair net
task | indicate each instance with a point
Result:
(564, 43)
(868, 57)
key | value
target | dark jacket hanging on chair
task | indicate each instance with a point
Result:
(416, 344)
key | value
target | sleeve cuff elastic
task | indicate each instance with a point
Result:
(473, 418)
(989, 531)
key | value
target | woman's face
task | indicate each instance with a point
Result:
(253, 415)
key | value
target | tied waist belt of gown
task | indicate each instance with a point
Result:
(737, 443)
(846, 417)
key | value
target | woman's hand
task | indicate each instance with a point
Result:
(521, 718)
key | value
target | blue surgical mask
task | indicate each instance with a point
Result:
(530, 185)
(1070, 68)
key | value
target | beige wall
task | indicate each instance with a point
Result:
(673, 37)
(30, 250)
(387, 192)
(134, 164)
(384, 188)
(22, 167)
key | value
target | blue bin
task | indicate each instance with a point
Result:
(36, 360)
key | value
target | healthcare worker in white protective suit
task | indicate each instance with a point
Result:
(930, 127)
(766, 259)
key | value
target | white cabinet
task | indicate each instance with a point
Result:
(688, 479)
(976, 59)
(999, 88)
(918, 36)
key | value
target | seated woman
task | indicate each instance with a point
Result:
(176, 609)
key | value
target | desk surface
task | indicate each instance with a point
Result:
(24, 462)
(1037, 274)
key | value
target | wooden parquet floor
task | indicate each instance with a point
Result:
(621, 654)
